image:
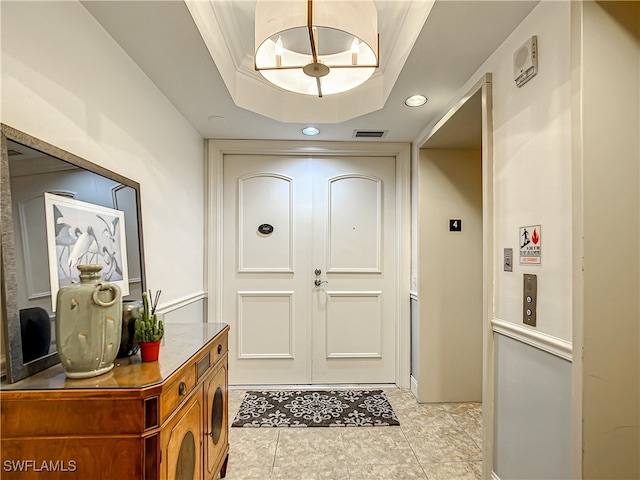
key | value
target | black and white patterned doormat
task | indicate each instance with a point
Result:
(313, 408)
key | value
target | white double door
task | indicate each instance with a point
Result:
(290, 223)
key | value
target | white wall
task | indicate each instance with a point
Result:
(65, 81)
(532, 178)
(532, 168)
(532, 185)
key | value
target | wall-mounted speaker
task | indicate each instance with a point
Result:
(525, 61)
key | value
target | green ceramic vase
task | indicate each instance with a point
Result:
(88, 324)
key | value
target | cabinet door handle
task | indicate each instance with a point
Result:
(219, 349)
(182, 388)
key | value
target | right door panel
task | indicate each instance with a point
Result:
(354, 242)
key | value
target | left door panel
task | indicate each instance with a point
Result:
(267, 223)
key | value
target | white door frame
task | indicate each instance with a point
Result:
(484, 87)
(215, 152)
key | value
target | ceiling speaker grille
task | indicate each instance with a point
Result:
(369, 133)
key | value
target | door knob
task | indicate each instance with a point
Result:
(317, 282)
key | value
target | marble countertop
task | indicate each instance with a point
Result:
(181, 342)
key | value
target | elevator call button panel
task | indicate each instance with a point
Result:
(530, 299)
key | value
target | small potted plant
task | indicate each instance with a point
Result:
(149, 330)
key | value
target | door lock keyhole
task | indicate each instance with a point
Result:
(317, 282)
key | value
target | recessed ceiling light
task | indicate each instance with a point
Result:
(311, 131)
(415, 101)
(217, 119)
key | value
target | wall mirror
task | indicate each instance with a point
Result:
(30, 168)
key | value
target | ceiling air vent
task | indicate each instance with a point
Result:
(369, 133)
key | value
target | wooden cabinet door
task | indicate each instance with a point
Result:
(216, 420)
(182, 457)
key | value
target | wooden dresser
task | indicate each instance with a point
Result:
(164, 420)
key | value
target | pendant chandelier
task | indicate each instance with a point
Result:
(316, 47)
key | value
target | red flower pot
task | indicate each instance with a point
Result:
(149, 351)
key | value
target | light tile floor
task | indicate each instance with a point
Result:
(433, 441)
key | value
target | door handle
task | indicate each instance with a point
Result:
(317, 282)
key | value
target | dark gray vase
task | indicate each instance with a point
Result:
(131, 310)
